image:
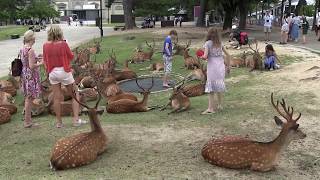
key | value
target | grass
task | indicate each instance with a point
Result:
(155, 145)
(5, 32)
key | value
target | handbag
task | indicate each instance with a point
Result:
(16, 66)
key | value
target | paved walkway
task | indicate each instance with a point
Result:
(73, 34)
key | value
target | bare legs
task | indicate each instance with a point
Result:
(165, 80)
(212, 108)
(27, 112)
(267, 36)
(284, 37)
(58, 98)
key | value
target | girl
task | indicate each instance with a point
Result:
(215, 69)
(30, 76)
(271, 58)
(284, 31)
(295, 28)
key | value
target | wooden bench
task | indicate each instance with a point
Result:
(116, 28)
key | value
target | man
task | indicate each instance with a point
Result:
(318, 26)
(167, 56)
(268, 18)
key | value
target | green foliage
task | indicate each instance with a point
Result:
(158, 8)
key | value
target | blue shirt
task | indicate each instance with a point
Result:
(167, 40)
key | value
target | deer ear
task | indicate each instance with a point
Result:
(278, 121)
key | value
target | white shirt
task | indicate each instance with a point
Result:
(318, 21)
(268, 20)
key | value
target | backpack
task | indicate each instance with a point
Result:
(244, 38)
(16, 66)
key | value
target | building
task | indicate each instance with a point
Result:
(88, 10)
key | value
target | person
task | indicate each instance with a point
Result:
(290, 18)
(176, 21)
(57, 56)
(284, 30)
(305, 28)
(167, 56)
(268, 18)
(30, 76)
(318, 27)
(295, 28)
(270, 62)
(180, 20)
(213, 51)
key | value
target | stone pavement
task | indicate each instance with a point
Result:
(73, 34)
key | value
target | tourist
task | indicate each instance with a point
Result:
(215, 69)
(167, 56)
(30, 76)
(57, 56)
(180, 20)
(284, 30)
(272, 61)
(268, 18)
(305, 28)
(295, 28)
(318, 27)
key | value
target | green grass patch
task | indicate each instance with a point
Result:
(6, 32)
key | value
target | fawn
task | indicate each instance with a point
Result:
(238, 152)
(178, 101)
(128, 105)
(7, 101)
(83, 148)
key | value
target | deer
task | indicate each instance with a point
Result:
(178, 101)
(156, 67)
(256, 63)
(83, 56)
(179, 49)
(5, 115)
(66, 107)
(87, 82)
(239, 153)
(7, 101)
(125, 73)
(38, 107)
(197, 74)
(8, 87)
(89, 94)
(140, 56)
(189, 61)
(83, 148)
(128, 105)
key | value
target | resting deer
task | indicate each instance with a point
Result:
(156, 67)
(178, 101)
(83, 148)
(179, 49)
(194, 90)
(125, 73)
(197, 74)
(7, 101)
(140, 56)
(189, 61)
(89, 94)
(256, 63)
(238, 152)
(37, 107)
(127, 105)
(82, 57)
(87, 82)
(5, 115)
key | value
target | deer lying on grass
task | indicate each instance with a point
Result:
(156, 67)
(83, 148)
(194, 90)
(6, 101)
(140, 56)
(66, 107)
(256, 63)
(89, 94)
(38, 107)
(82, 56)
(5, 115)
(127, 105)
(87, 82)
(197, 74)
(189, 61)
(238, 152)
(179, 49)
(8, 87)
(125, 73)
(178, 101)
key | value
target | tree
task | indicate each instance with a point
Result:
(282, 6)
(299, 5)
(316, 6)
(230, 10)
(128, 6)
(201, 18)
(243, 9)
(289, 10)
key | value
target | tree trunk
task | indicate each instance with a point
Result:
(128, 15)
(243, 8)
(227, 23)
(289, 10)
(201, 18)
(282, 5)
(316, 5)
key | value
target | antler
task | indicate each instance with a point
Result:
(148, 90)
(288, 115)
(152, 83)
(139, 85)
(188, 44)
(148, 44)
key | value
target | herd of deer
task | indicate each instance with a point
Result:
(97, 80)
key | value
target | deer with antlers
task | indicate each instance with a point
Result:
(125, 73)
(128, 105)
(178, 101)
(140, 56)
(197, 74)
(189, 61)
(179, 49)
(83, 148)
(256, 63)
(239, 153)
(156, 67)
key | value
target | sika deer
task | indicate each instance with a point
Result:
(197, 74)
(256, 62)
(6, 101)
(140, 56)
(5, 115)
(83, 148)
(156, 67)
(179, 49)
(37, 107)
(127, 105)
(189, 61)
(238, 152)
(178, 101)
(125, 73)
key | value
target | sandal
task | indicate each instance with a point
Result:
(79, 123)
(59, 125)
(31, 125)
(207, 112)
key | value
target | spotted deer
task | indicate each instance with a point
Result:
(189, 61)
(7, 101)
(256, 63)
(125, 73)
(197, 74)
(239, 153)
(140, 56)
(178, 101)
(38, 107)
(82, 56)
(156, 67)
(179, 49)
(128, 105)
(5, 115)
(83, 148)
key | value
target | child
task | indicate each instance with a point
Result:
(167, 56)
(305, 27)
(216, 69)
(270, 61)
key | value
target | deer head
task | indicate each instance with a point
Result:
(151, 47)
(290, 125)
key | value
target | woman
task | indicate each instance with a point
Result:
(30, 76)
(284, 30)
(295, 29)
(215, 69)
(305, 28)
(57, 57)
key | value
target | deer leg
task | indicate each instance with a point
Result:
(165, 106)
